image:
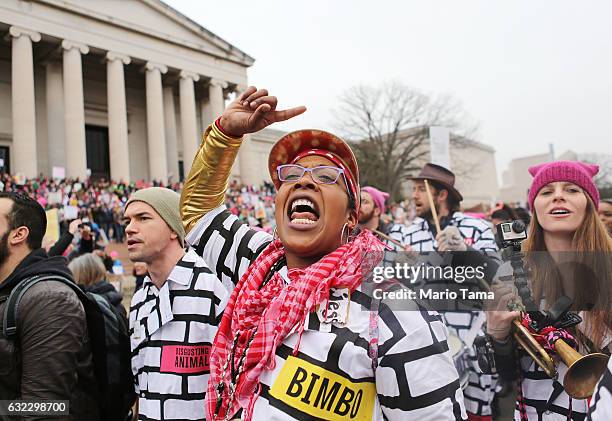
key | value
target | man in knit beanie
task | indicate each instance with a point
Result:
(166, 203)
(174, 316)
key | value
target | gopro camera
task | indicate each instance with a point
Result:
(511, 233)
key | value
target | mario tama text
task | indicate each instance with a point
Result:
(431, 294)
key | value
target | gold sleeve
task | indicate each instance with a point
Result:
(205, 186)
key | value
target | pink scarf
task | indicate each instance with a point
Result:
(260, 319)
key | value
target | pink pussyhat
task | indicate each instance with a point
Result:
(379, 197)
(576, 172)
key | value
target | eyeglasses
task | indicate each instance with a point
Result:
(323, 174)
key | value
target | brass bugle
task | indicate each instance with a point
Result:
(583, 371)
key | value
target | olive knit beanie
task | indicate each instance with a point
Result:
(166, 204)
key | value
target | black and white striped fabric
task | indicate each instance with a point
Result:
(332, 376)
(171, 334)
(601, 403)
(478, 235)
(545, 398)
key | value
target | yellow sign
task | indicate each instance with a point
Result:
(53, 230)
(323, 394)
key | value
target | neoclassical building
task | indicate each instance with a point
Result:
(120, 89)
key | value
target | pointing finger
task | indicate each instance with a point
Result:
(287, 114)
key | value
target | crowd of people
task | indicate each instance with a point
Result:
(250, 303)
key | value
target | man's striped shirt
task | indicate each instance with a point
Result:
(171, 334)
(478, 235)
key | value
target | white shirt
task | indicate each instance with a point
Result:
(478, 235)
(601, 403)
(171, 334)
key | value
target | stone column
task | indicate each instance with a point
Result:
(189, 124)
(205, 111)
(117, 116)
(22, 100)
(74, 116)
(55, 115)
(156, 142)
(248, 167)
(171, 135)
(216, 97)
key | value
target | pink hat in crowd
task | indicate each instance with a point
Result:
(575, 172)
(379, 197)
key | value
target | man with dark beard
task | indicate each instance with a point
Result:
(372, 208)
(459, 233)
(48, 357)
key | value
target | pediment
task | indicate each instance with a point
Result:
(157, 19)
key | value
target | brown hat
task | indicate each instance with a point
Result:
(439, 175)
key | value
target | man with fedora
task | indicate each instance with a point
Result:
(458, 233)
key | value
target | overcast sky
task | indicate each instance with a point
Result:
(530, 72)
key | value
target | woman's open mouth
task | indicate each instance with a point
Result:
(560, 212)
(302, 213)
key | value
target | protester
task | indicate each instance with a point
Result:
(564, 199)
(523, 214)
(174, 316)
(89, 272)
(370, 217)
(48, 358)
(86, 242)
(459, 233)
(64, 242)
(273, 346)
(605, 214)
(503, 213)
(101, 202)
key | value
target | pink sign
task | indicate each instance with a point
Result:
(185, 359)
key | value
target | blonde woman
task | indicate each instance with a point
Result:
(89, 272)
(565, 224)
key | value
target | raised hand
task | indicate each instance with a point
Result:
(253, 111)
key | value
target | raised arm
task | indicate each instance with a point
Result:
(205, 186)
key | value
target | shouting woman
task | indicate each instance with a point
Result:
(299, 339)
(568, 254)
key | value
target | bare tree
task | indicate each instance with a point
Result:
(388, 127)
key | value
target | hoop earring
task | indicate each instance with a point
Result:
(342, 234)
(274, 235)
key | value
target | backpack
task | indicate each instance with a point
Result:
(110, 345)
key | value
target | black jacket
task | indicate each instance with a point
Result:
(108, 291)
(51, 357)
